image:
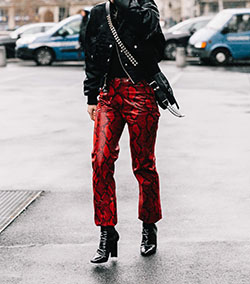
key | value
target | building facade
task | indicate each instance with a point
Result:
(208, 6)
(178, 10)
(14, 13)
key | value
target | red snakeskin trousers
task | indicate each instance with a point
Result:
(136, 106)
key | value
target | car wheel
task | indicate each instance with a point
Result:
(220, 57)
(44, 56)
(170, 50)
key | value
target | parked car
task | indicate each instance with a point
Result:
(179, 34)
(225, 38)
(9, 41)
(58, 44)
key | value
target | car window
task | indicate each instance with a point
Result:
(199, 25)
(185, 28)
(71, 28)
(179, 26)
(32, 30)
(46, 28)
(19, 31)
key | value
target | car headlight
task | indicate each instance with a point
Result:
(201, 44)
(25, 40)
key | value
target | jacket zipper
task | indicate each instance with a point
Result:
(104, 88)
(118, 53)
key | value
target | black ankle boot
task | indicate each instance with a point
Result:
(149, 239)
(108, 245)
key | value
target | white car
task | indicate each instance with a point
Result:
(9, 41)
(31, 29)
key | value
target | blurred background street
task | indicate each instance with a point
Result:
(203, 162)
(47, 231)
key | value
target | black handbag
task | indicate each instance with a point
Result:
(164, 94)
(162, 89)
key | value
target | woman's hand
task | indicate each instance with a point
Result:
(92, 111)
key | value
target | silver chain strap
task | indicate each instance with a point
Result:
(120, 44)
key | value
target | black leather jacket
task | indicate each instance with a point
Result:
(140, 32)
(83, 27)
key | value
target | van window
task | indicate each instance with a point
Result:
(239, 23)
(244, 23)
(232, 25)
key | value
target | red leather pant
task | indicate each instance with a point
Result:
(136, 106)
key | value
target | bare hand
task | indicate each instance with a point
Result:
(92, 111)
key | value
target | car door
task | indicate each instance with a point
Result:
(237, 36)
(65, 41)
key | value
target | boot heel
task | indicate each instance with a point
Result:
(108, 246)
(114, 250)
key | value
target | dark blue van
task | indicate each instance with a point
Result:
(226, 37)
(60, 43)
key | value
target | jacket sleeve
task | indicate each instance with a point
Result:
(93, 77)
(142, 14)
(82, 32)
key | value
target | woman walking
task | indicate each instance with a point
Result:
(123, 46)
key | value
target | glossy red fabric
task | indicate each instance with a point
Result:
(136, 106)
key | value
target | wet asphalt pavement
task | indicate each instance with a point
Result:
(203, 161)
